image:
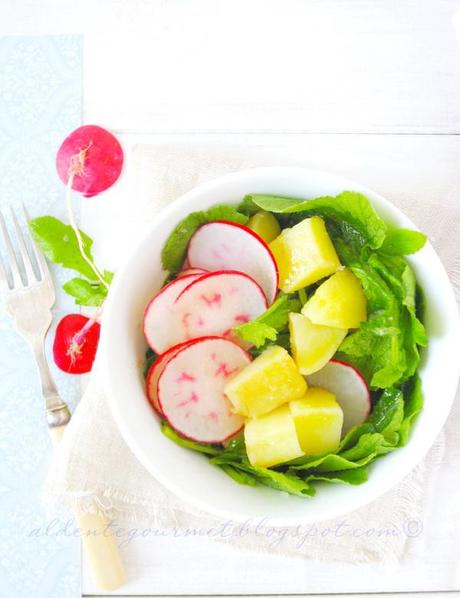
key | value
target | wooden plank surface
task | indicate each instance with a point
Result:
(266, 65)
(386, 595)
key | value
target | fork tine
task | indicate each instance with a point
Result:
(3, 276)
(13, 263)
(28, 267)
(41, 260)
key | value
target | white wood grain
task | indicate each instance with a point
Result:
(400, 167)
(264, 65)
(373, 595)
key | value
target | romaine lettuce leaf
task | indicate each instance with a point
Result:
(403, 242)
(150, 357)
(351, 476)
(385, 348)
(267, 326)
(413, 404)
(351, 211)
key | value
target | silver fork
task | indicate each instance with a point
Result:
(29, 297)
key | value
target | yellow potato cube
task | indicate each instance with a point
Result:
(272, 439)
(265, 225)
(313, 345)
(304, 254)
(269, 381)
(338, 302)
(318, 419)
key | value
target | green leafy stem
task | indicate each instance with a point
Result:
(61, 246)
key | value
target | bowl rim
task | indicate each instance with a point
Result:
(407, 460)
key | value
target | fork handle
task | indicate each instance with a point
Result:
(99, 543)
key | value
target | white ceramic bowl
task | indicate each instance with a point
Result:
(187, 473)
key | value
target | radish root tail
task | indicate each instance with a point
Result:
(77, 167)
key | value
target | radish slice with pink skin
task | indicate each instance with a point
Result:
(189, 271)
(75, 343)
(94, 156)
(159, 315)
(225, 245)
(214, 303)
(349, 388)
(191, 389)
(155, 371)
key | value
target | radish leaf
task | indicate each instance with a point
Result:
(92, 294)
(59, 243)
(267, 326)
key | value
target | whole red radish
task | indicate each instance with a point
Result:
(93, 156)
(75, 343)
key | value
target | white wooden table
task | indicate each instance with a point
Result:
(366, 88)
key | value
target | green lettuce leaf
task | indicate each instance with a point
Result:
(377, 436)
(351, 211)
(200, 447)
(385, 419)
(247, 206)
(385, 348)
(267, 326)
(368, 447)
(352, 476)
(412, 407)
(279, 480)
(175, 248)
(403, 242)
(150, 358)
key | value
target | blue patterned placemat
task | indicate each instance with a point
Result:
(40, 102)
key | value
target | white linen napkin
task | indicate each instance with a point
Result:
(94, 466)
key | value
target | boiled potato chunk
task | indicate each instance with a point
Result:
(304, 254)
(265, 225)
(338, 302)
(313, 345)
(318, 419)
(269, 381)
(272, 439)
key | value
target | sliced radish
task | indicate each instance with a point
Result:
(155, 371)
(189, 271)
(350, 389)
(191, 389)
(75, 343)
(225, 245)
(158, 317)
(214, 303)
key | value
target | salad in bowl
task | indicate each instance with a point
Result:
(275, 418)
(285, 343)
